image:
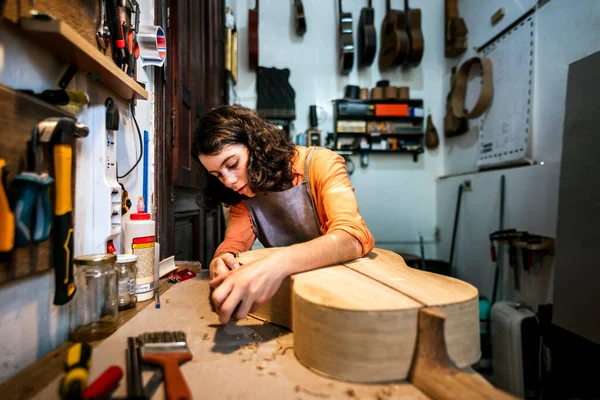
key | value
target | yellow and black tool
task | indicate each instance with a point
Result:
(60, 132)
(7, 218)
(77, 367)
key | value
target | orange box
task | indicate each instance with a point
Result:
(391, 110)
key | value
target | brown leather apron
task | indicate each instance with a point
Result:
(287, 217)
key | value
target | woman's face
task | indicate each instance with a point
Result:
(230, 167)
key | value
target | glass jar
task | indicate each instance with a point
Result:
(126, 270)
(95, 306)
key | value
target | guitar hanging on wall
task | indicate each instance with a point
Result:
(415, 36)
(345, 41)
(253, 38)
(394, 40)
(299, 18)
(367, 37)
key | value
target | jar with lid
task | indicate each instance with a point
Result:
(95, 307)
(126, 271)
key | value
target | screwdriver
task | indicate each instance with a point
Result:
(77, 367)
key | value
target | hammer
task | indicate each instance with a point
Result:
(59, 132)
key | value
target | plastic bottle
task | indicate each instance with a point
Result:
(138, 239)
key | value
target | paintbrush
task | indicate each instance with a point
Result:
(168, 350)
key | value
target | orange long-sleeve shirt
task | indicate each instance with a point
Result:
(333, 195)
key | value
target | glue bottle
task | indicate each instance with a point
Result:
(138, 239)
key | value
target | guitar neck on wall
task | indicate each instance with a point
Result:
(346, 42)
(253, 38)
(367, 37)
(299, 18)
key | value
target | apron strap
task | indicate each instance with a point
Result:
(306, 167)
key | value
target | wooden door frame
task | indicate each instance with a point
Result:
(163, 149)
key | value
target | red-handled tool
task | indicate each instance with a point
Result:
(104, 385)
(116, 32)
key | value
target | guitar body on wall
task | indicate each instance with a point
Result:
(367, 37)
(299, 18)
(253, 38)
(394, 40)
(415, 36)
(345, 41)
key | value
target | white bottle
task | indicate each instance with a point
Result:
(138, 238)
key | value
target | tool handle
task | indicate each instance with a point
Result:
(115, 21)
(103, 386)
(63, 226)
(176, 387)
(7, 218)
(77, 366)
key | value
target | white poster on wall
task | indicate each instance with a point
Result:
(505, 127)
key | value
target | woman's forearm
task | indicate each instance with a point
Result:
(332, 248)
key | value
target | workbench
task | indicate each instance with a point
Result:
(248, 359)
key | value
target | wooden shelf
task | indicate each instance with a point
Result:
(64, 41)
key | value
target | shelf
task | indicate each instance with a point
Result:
(414, 120)
(64, 41)
(381, 135)
(410, 102)
(415, 152)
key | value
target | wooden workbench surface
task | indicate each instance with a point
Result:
(249, 359)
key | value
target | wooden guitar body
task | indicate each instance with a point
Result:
(415, 36)
(394, 40)
(358, 321)
(253, 38)
(367, 37)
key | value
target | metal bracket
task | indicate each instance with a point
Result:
(68, 76)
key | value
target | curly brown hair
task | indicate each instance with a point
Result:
(270, 152)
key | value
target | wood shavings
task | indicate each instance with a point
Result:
(260, 363)
(312, 393)
(272, 358)
(205, 337)
(383, 393)
(167, 301)
(256, 336)
(286, 349)
(202, 317)
(350, 392)
(272, 373)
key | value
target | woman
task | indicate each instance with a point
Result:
(292, 197)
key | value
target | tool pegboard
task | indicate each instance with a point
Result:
(18, 115)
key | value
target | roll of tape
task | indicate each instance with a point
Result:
(153, 45)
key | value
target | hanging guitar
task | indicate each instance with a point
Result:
(299, 18)
(345, 41)
(394, 40)
(367, 37)
(415, 36)
(253, 38)
(377, 320)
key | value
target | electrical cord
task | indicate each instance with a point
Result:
(141, 145)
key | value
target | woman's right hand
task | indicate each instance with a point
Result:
(223, 263)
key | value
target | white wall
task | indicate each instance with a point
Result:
(396, 196)
(30, 325)
(565, 32)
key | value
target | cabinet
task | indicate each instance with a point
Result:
(378, 126)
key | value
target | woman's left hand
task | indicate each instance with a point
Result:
(248, 286)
